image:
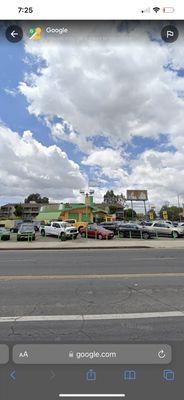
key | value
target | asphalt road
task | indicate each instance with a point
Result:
(92, 295)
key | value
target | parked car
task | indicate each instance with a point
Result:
(135, 231)
(37, 225)
(4, 234)
(146, 223)
(164, 229)
(111, 226)
(16, 226)
(77, 224)
(96, 232)
(26, 231)
(59, 229)
(173, 223)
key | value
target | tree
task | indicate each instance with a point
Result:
(114, 199)
(129, 214)
(110, 197)
(18, 210)
(173, 212)
(36, 197)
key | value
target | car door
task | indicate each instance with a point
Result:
(162, 229)
(157, 228)
(94, 231)
(91, 231)
(135, 231)
(56, 229)
(166, 229)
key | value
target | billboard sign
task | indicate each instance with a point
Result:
(137, 195)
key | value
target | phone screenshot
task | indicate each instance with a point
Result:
(91, 201)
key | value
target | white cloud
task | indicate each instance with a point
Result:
(28, 166)
(105, 158)
(116, 89)
(11, 92)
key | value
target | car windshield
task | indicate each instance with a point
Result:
(27, 228)
(2, 230)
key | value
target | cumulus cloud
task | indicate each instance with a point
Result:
(104, 158)
(117, 88)
(28, 166)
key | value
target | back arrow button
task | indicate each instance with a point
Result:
(14, 33)
(13, 375)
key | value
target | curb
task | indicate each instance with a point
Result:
(75, 248)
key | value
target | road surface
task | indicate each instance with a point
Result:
(92, 295)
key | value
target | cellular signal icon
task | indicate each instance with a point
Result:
(156, 9)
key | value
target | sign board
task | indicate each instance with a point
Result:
(151, 215)
(165, 215)
(137, 195)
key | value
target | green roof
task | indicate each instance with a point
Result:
(48, 215)
(74, 206)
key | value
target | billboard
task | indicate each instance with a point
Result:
(137, 195)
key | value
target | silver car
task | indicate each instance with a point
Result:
(164, 229)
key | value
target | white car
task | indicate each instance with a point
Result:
(59, 229)
(162, 228)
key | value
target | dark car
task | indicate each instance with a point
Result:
(145, 223)
(16, 226)
(4, 234)
(26, 231)
(134, 231)
(37, 225)
(96, 232)
(111, 226)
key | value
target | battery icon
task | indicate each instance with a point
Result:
(168, 10)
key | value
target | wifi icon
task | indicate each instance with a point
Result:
(156, 9)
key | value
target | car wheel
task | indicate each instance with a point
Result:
(43, 232)
(18, 239)
(100, 237)
(75, 237)
(145, 235)
(175, 234)
(83, 234)
(62, 236)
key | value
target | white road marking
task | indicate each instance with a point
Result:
(92, 317)
(6, 278)
(93, 395)
(153, 259)
(17, 260)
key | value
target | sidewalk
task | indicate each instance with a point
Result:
(94, 244)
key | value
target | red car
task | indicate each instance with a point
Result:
(96, 232)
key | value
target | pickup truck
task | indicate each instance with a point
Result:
(60, 229)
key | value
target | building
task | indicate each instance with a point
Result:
(78, 211)
(29, 210)
(7, 211)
